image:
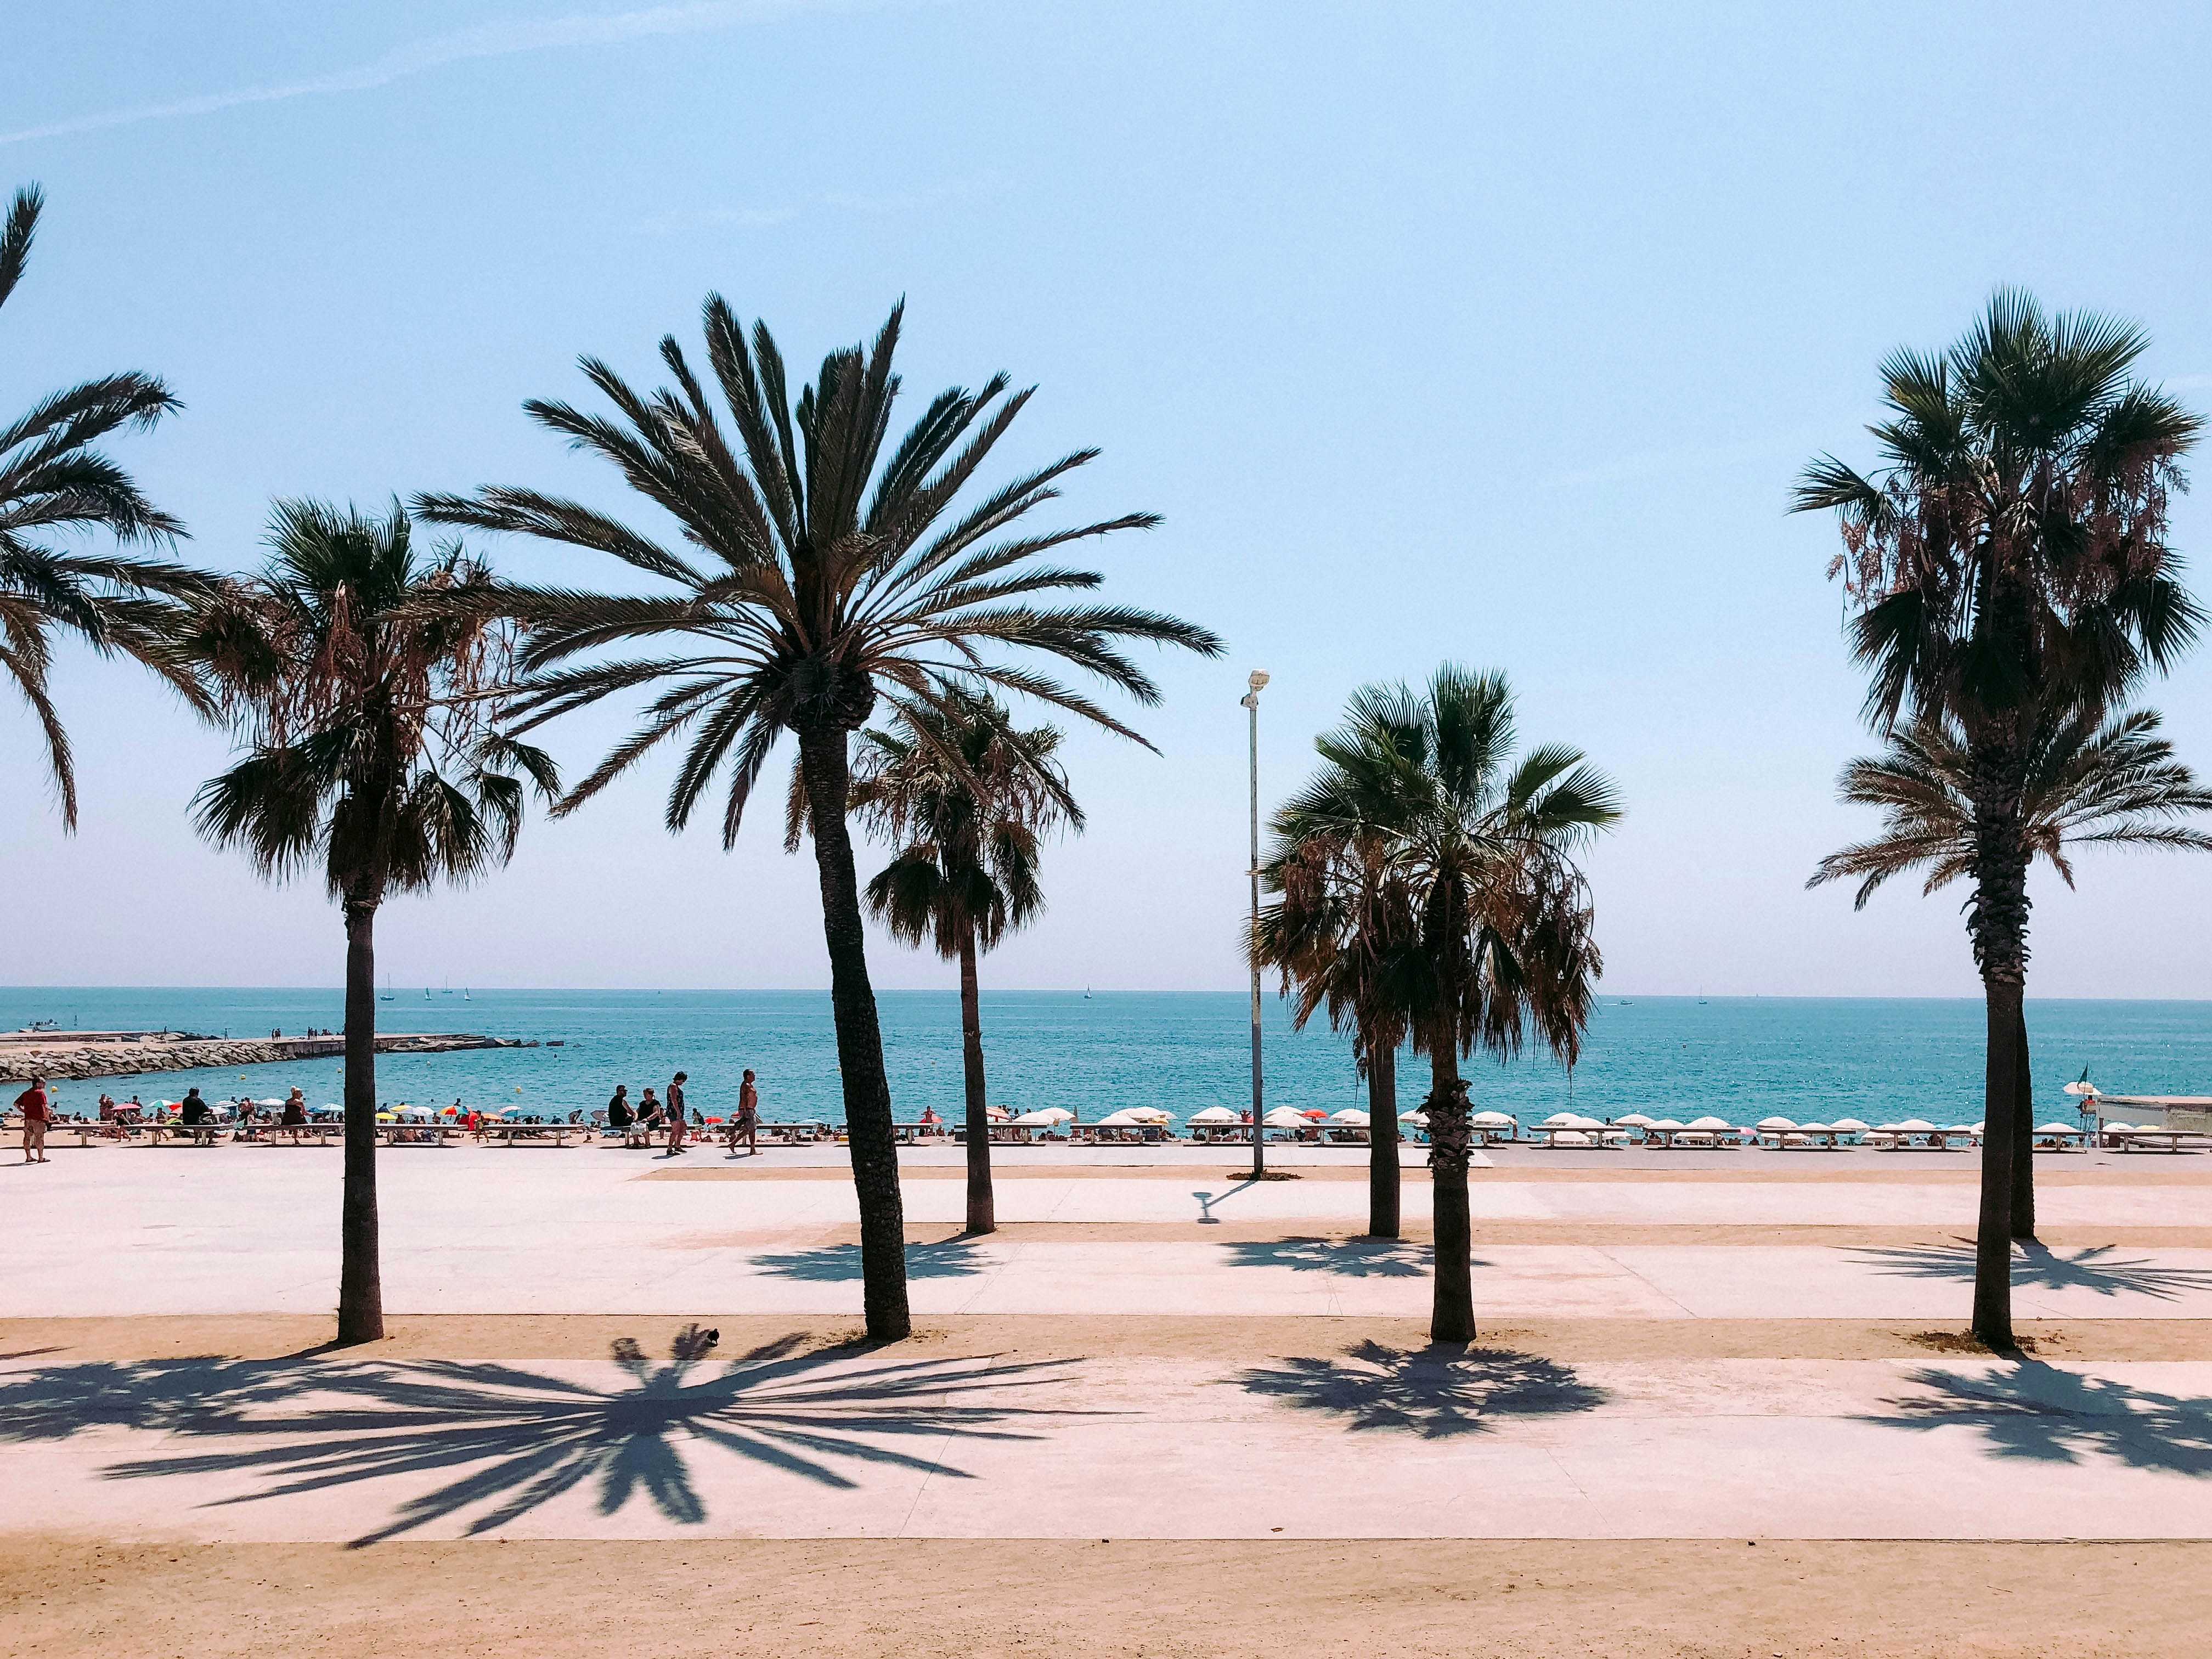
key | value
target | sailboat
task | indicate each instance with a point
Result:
(426, 993)
(386, 996)
(465, 994)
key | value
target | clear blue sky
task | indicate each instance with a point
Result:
(1491, 333)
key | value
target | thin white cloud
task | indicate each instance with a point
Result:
(486, 40)
(1657, 462)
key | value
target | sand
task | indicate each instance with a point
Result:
(64, 1598)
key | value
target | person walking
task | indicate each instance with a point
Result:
(747, 1122)
(676, 1121)
(37, 1108)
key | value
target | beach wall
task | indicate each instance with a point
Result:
(70, 1055)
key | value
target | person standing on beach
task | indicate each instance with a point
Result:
(748, 1119)
(37, 1108)
(676, 1114)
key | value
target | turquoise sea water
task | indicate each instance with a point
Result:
(1738, 1057)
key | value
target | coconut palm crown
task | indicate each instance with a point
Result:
(54, 481)
(817, 570)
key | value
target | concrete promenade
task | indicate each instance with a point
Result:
(1758, 1349)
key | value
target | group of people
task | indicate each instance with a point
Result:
(653, 1115)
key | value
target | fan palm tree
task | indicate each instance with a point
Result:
(2090, 782)
(366, 701)
(1501, 943)
(818, 575)
(54, 480)
(2009, 565)
(965, 798)
(1342, 937)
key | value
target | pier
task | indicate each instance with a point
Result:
(77, 1055)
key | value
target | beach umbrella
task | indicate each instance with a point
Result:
(1961, 1129)
(1419, 1118)
(1285, 1117)
(1708, 1123)
(1213, 1115)
(2070, 1129)
(1480, 1119)
(1571, 1138)
(1561, 1120)
(997, 1114)
(2084, 1087)
(1914, 1125)
(1850, 1126)
(1668, 1124)
(385, 1117)
(1043, 1117)
(1148, 1114)
(1776, 1123)
(1358, 1119)
(1585, 1123)
(1816, 1128)
(1634, 1120)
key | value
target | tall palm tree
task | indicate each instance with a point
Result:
(2009, 565)
(2090, 782)
(965, 798)
(54, 480)
(365, 689)
(817, 573)
(1502, 915)
(1342, 935)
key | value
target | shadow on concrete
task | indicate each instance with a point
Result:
(1435, 1393)
(952, 1258)
(2096, 1269)
(513, 1439)
(2027, 1409)
(1354, 1258)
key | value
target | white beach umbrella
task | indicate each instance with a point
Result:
(1213, 1115)
(1634, 1120)
(1356, 1119)
(1286, 1117)
(1816, 1128)
(1776, 1123)
(1571, 1138)
(1914, 1125)
(1583, 1123)
(1850, 1126)
(1128, 1118)
(1480, 1119)
(1417, 1117)
(1666, 1123)
(2082, 1088)
(1561, 1120)
(2069, 1128)
(1710, 1124)
(1047, 1114)
(1961, 1129)
(1148, 1114)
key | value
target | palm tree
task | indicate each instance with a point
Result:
(818, 574)
(1342, 937)
(53, 479)
(965, 798)
(2090, 782)
(365, 688)
(1502, 915)
(2009, 565)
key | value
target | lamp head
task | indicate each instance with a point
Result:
(1258, 682)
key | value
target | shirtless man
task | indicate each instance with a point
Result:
(747, 1122)
(38, 1110)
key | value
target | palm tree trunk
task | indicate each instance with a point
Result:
(823, 768)
(982, 1212)
(361, 1279)
(2023, 1144)
(1993, 1236)
(1382, 1178)
(1451, 1317)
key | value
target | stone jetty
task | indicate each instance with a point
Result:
(26, 1054)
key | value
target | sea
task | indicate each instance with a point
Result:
(1737, 1058)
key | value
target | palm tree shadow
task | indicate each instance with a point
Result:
(2037, 1266)
(505, 1440)
(951, 1258)
(2028, 1409)
(1435, 1393)
(1353, 1258)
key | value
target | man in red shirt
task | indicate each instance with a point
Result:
(36, 1111)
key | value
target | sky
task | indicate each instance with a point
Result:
(1436, 332)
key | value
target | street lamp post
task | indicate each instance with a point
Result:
(1251, 701)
